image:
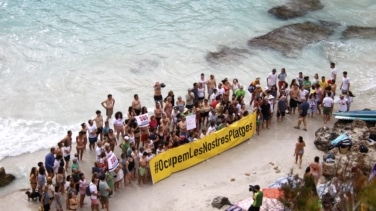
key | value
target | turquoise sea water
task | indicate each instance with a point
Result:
(60, 59)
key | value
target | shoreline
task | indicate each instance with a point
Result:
(214, 175)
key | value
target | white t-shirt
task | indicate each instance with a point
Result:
(327, 102)
(66, 151)
(220, 91)
(272, 79)
(303, 94)
(212, 97)
(345, 83)
(201, 92)
(342, 104)
(93, 188)
(211, 130)
(91, 129)
(98, 152)
(333, 73)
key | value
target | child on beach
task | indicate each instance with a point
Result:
(312, 105)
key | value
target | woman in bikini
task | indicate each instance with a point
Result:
(158, 113)
(180, 104)
(80, 140)
(60, 179)
(33, 179)
(299, 151)
(168, 107)
(226, 87)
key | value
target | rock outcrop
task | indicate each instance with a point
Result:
(226, 54)
(291, 39)
(220, 201)
(296, 8)
(353, 157)
(5, 178)
(359, 32)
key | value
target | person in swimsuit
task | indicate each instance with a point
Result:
(80, 141)
(158, 94)
(136, 104)
(112, 140)
(211, 84)
(168, 107)
(226, 87)
(142, 170)
(205, 109)
(33, 179)
(99, 124)
(158, 113)
(201, 92)
(109, 104)
(180, 104)
(299, 151)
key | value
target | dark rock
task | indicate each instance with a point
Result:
(329, 24)
(359, 32)
(226, 53)
(295, 9)
(220, 201)
(291, 39)
(5, 178)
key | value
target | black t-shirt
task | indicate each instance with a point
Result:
(304, 107)
(265, 109)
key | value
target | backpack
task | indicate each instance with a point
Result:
(88, 192)
(363, 148)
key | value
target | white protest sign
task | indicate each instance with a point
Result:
(143, 120)
(191, 122)
(112, 162)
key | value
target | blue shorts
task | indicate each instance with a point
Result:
(93, 140)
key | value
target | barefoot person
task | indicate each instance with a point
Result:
(299, 151)
(80, 141)
(136, 104)
(158, 94)
(315, 169)
(109, 104)
(142, 169)
(99, 124)
(303, 111)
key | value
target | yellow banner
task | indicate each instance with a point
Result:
(187, 155)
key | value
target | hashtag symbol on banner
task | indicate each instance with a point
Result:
(156, 167)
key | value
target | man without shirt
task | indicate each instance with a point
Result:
(67, 139)
(136, 104)
(99, 124)
(294, 95)
(158, 94)
(211, 84)
(109, 104)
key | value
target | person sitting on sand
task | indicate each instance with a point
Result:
(299, 151)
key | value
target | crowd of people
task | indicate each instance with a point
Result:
(214, 106)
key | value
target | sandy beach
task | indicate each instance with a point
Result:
(195, 188)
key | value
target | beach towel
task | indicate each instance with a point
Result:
(340, 138)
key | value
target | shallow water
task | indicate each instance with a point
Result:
(59, 60)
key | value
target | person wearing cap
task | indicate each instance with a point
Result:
(282, 78)
(342, 102)
(240, 93)
(272, 78)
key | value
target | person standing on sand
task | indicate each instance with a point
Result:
(272, 79)
(345, 85)
(109, 104)
(142, 169)
(93, 136)
(136, 104)
(99, 124)
(158, 94)
(258, 195)
(315, 169)
(80, 141)
(50, 161)
(303, 111)
(202, 81)
(94, 194)
(67, 139)
(299, 151)
(211, 84)
(282, 78)
(294, 95)
(333, 71)
(33, 179)
(327, 105)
